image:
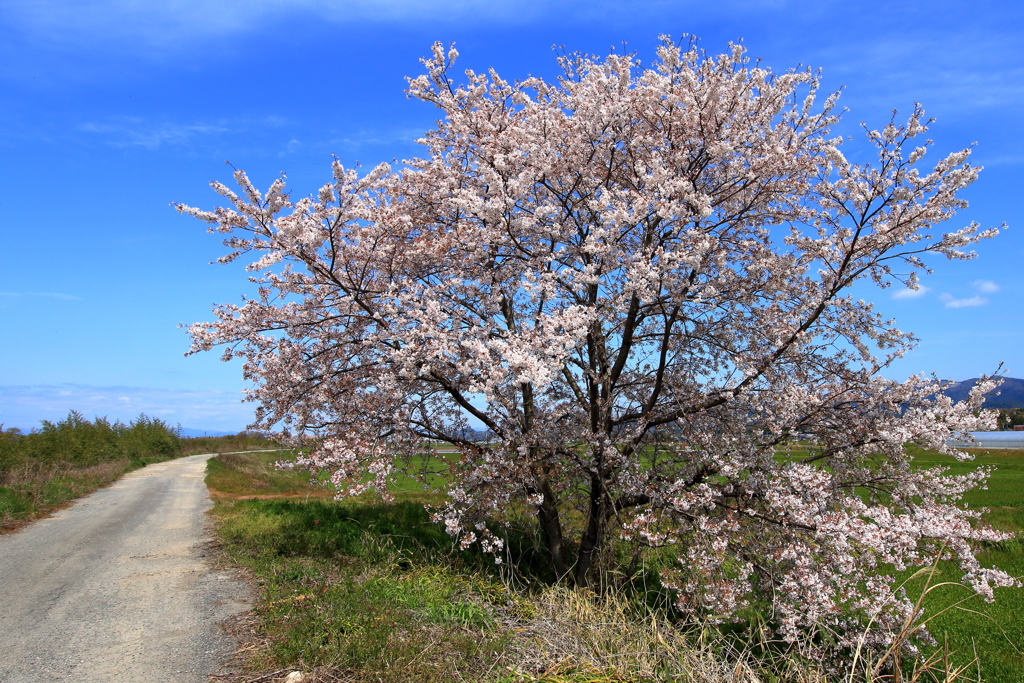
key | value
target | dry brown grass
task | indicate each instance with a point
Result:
(34, 474)
(577, 636)
(36, 489)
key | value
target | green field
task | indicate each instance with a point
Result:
(360, 590)
(995, 631)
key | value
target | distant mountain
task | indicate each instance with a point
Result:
(192, 433)
(1011, 393)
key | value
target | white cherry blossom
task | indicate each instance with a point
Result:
(638, 281)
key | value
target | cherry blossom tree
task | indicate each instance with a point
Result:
(638, 281)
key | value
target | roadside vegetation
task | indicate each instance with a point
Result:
(45, 469)
(243, 441)
(362, 590)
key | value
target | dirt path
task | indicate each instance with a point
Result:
(119, 586)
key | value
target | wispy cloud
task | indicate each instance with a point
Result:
(51, 295)
(990, 158)
(980, 286)
(25, 406)
(265, 136)
(136, 132)
(951, 66)
(174, 24)
(953, 302)
(985, 286)
(167, 24)
(907, 293)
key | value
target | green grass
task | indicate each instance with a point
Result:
(994, 630)
(370, 590)
(243, 441)
(255, 474)
(362, 591)
(363, 588)
(367, 591)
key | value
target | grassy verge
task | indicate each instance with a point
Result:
(362, 591)
(365, 591)
(243, 441)
(994, 632)
(32, 490)
(46, 469)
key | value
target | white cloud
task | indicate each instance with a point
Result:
(907, 293)
(980, 286)
(138, 133)
(169, 23)
(50, 295)
(953, 302)
(985, 286)
(25, 406)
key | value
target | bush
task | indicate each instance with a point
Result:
(46, 468)
(78, 442)
(147, 437)
(74, 440)
(10, 455)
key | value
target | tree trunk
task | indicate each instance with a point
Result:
(593, 535)
(551, 528)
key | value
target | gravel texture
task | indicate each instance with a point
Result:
(120, 586)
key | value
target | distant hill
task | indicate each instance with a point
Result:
(1011, 393)
(191, 433)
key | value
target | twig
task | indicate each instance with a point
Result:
(268, 676)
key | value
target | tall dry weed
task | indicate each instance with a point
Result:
(32, 489)
(608, 638)
(576, 635)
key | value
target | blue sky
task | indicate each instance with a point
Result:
(111, 110)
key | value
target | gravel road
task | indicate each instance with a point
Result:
(119, 587)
